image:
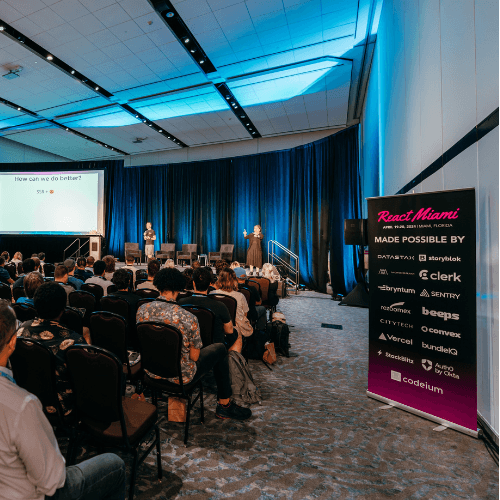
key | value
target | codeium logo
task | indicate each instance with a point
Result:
(424, 274)
(396, 307)
(440, 314)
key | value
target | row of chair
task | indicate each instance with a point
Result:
(189, 252)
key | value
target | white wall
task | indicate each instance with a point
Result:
(14, 152)
(228, 149)
(437, 78)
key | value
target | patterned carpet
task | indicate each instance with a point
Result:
(317, 435)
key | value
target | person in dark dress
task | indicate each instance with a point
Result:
(254, 253)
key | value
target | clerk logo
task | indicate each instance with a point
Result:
(396, 307)
(440, 314)
(426, 364)
(425, 275)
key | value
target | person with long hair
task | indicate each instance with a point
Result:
(254, 253)
(270, 272)
(110, 262)
(227, 284)
(18, 258)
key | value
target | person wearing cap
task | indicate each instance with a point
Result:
(70, 264)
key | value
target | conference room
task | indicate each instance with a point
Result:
(249, 249)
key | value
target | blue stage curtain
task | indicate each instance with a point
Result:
(299, 196)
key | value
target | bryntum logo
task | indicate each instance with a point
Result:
(424, 274)
(437, 331)
(396, 339)
(394, 289)
(440, 314)
(422, 214)
(427, 365)
(399, 324)
(397, 257)
(440, 348)
(382, 271)
(424, 293)
(422, 257)
(396, 308)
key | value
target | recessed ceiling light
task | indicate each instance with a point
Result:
(228, 97)
(66, 128)
(150, 125)
(253, 132)
(248, 124)
(193, 51)
(137, 116)
(97, 88)
(170, 14)
(144, 121)
(72, 71)
(1, 28)
(242, 116)
(19, 109)
(168, 137)
(161, 131)
(186, 40)
(202, 61)
(49, 57)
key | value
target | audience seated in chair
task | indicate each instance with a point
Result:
(50, 302)
(195, 361)
(269, 272)
(31, 282)
(80, 272)
(70, 264)
(256, 311)
(41, 257)
(153, 269)
(61, 278)
(6, 256)
(98, 278)
(18, 258)
(129, 261)
(237, 268)
(224, 331)
(227, 284)
(188, 275)
(35, 467)
(29, 265)
(90, 264)
(121, 278)
(110, 262)
(220, 265)
(4, 275)
(169, 264)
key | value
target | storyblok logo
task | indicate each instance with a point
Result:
(422, 257)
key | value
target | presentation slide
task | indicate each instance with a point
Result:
(52, 202)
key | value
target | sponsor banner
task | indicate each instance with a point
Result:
(422, 335)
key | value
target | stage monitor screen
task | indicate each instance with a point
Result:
(52, 202)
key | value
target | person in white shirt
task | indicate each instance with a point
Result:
(129, 261)
(31, 464)
(98, 278)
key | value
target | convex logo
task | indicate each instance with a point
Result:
(425, 275)
(437, 331)
(396, 307)
(440, 314)
(395, 289)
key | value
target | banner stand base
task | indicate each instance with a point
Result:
(428, 416)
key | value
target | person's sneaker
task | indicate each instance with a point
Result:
(232, 410)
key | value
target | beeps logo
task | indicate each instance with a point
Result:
(440, 314)
(424, 274)
(395, 308)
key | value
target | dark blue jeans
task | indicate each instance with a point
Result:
(215, 356)
(99, 478)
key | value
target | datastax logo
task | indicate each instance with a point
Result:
(396, 308)
(424, 274)
(440, 314)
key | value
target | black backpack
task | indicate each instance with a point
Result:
(255, 344)
(279, 334)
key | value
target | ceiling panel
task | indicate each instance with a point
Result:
(59, 142)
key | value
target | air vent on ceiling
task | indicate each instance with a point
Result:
(13, 73)
(139, 140)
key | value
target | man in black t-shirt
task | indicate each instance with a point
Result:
(149, 238)
(224, 331)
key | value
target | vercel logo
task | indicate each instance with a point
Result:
(424, 274)
(440, 314)
(396, 308)
(396, 339)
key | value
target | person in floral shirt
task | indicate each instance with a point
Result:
(50, 301)
(196, 360)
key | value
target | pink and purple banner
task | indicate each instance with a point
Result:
(423, 304)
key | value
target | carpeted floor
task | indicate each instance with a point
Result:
(317, 435)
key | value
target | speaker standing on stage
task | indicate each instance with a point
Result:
(254, 254)
(149, 237)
